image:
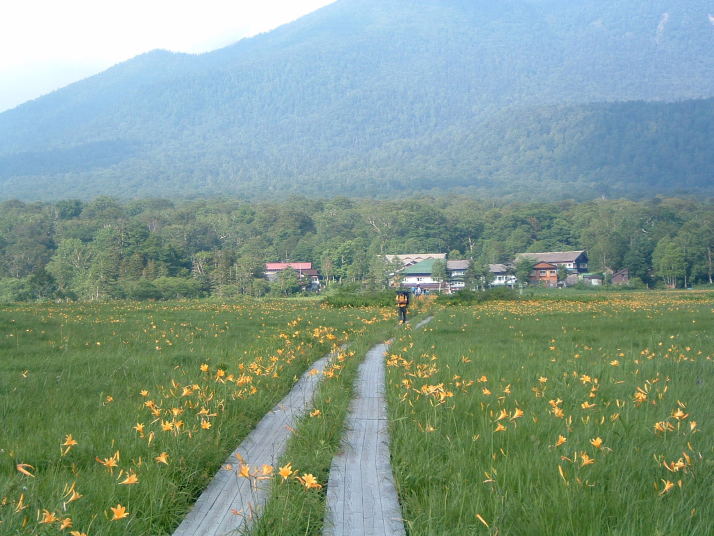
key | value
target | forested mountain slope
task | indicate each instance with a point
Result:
(375, 97)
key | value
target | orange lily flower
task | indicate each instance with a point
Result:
(69, 442)
(119, 512)
(286, 471)
(131, 478)
(309, 481)
(667, 486)
(22, 467)
(20, 503)
(586, 460)
(48, 517)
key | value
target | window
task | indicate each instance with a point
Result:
(542, 272)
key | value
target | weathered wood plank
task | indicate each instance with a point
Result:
(361, 497)
(361, 494)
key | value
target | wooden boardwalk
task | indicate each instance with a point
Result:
(361, 496)
(230, 503)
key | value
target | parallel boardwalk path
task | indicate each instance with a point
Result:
(361, 496)
(229, 504)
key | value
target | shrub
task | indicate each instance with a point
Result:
(350, 296)
(466, 297)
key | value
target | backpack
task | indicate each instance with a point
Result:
(402, 299)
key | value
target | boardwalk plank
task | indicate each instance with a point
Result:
(361, 494)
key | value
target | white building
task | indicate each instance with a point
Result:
(500, 276)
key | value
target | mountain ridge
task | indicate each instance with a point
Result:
(348, 82)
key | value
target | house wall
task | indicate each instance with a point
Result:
(547, 276)
(500, 280)
(417, 279)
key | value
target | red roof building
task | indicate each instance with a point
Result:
(304, 270)
(275, 267)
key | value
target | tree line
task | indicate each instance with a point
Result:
(163, 249)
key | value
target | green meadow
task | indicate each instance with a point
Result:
(577, 417)
(559, 414)
(115, 416)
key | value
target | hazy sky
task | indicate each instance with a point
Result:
(47, 44)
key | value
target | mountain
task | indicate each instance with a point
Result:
(556, 98)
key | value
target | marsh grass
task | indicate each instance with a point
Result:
(459, 473)
(80, 370)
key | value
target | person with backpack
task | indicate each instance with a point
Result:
(402, 304)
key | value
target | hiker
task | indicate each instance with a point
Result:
(402, 304)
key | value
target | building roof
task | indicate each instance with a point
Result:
(497, 268)
(409, 259)
(458, 265)
(277, 266)
(423, 267)
(553, 256)
(545, 266)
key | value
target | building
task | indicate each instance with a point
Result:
(573, 261)
(544, 273)
(304, 270)
(595, 280)
(419, 275)
(410, 259)
(621, 277)
(500, 276)
(456, 270)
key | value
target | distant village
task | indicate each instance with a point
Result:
(433, 272)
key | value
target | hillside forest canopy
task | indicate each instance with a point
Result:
(525, 100)
(161, 249)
